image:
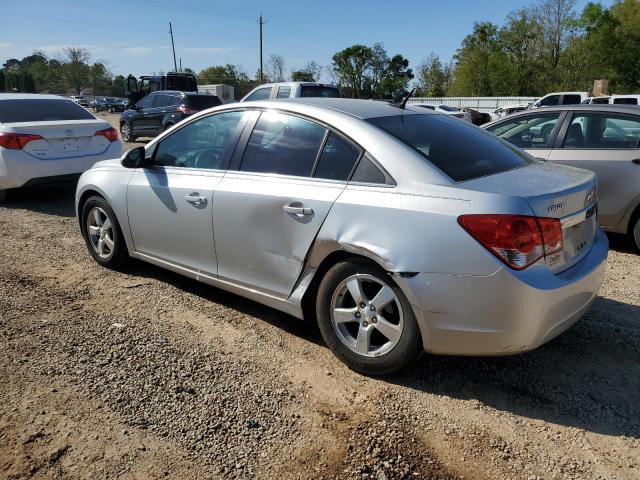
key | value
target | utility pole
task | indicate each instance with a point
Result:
(262, 22)
(175, 65)
(180, 63)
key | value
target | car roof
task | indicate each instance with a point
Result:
(305, 84)
(604, 107)
(30, 96)
(362, 109)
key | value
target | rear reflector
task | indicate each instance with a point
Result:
(16, 141)
(517, 240)
(110, 134)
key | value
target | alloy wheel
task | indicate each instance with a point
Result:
(367, 315)
(100, 232)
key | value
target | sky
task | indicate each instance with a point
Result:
(132, 36)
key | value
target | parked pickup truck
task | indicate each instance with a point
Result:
(292, 90)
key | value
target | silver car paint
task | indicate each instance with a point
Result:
(409, 229)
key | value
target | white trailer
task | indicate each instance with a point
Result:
(224, 92)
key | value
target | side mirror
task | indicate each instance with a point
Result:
(135, 158)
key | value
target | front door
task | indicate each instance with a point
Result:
(607, 144)
(270, 210)
(170, 205)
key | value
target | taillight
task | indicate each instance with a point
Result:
(16, 141)
(110, 134)
(186, 110)
(517, 240)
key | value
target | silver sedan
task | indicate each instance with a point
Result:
(396, 229)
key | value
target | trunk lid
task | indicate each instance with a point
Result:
(553, 191)
(62, 139)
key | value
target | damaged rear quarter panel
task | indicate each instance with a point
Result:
(407, 232)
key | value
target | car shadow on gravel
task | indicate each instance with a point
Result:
(287, 323)
(57, 199)
(622, 243)
(588, 377)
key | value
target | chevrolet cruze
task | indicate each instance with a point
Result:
(397, 229)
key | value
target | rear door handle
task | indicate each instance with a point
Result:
(298, 210)
(194, 198)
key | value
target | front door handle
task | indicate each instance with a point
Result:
(297, 209)
(194, 198)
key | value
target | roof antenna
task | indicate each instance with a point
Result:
(405, 99)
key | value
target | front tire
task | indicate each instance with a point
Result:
(102, 233)
(126, 131)
(366, 320)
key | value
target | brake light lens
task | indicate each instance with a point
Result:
(186, 110)
(16, 141)
(110, 134)
(517, 240)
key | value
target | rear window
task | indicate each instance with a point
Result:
(41, 110)
(447, 108)
(460, 150)
(625, 101)
(200, 102)
(319, 91)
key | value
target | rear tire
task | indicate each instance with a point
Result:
(635, 232)
(126, 131)
(376, 334)
(102, 234)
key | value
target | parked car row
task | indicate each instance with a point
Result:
(109, 104)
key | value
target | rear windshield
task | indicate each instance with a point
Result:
(319, 91)
(460, 150)
(200, 102)
(41, 110)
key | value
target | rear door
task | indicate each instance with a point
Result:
(607, 144)
(271, 208)
(534, 132)
(170, 204)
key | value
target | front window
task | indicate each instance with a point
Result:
(260, 94)
(460, 150)
(531, 131)
(550, 100)
(204, 143)
(319, 91)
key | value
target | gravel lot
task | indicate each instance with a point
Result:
(148, 374)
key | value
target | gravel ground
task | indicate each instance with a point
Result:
(146, 374)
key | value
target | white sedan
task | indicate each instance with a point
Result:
(46, 138)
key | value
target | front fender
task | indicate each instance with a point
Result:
(111, 184)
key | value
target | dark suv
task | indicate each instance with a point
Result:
(160, 110)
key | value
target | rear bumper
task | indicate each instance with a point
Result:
(18, 168)
(507, 312)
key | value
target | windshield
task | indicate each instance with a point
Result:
(41, 110)
(460, 150)
(319, 91)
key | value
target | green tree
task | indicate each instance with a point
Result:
(351, 67)
(76, 69)
(227, 74)
(433, 77)
(301, 76)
